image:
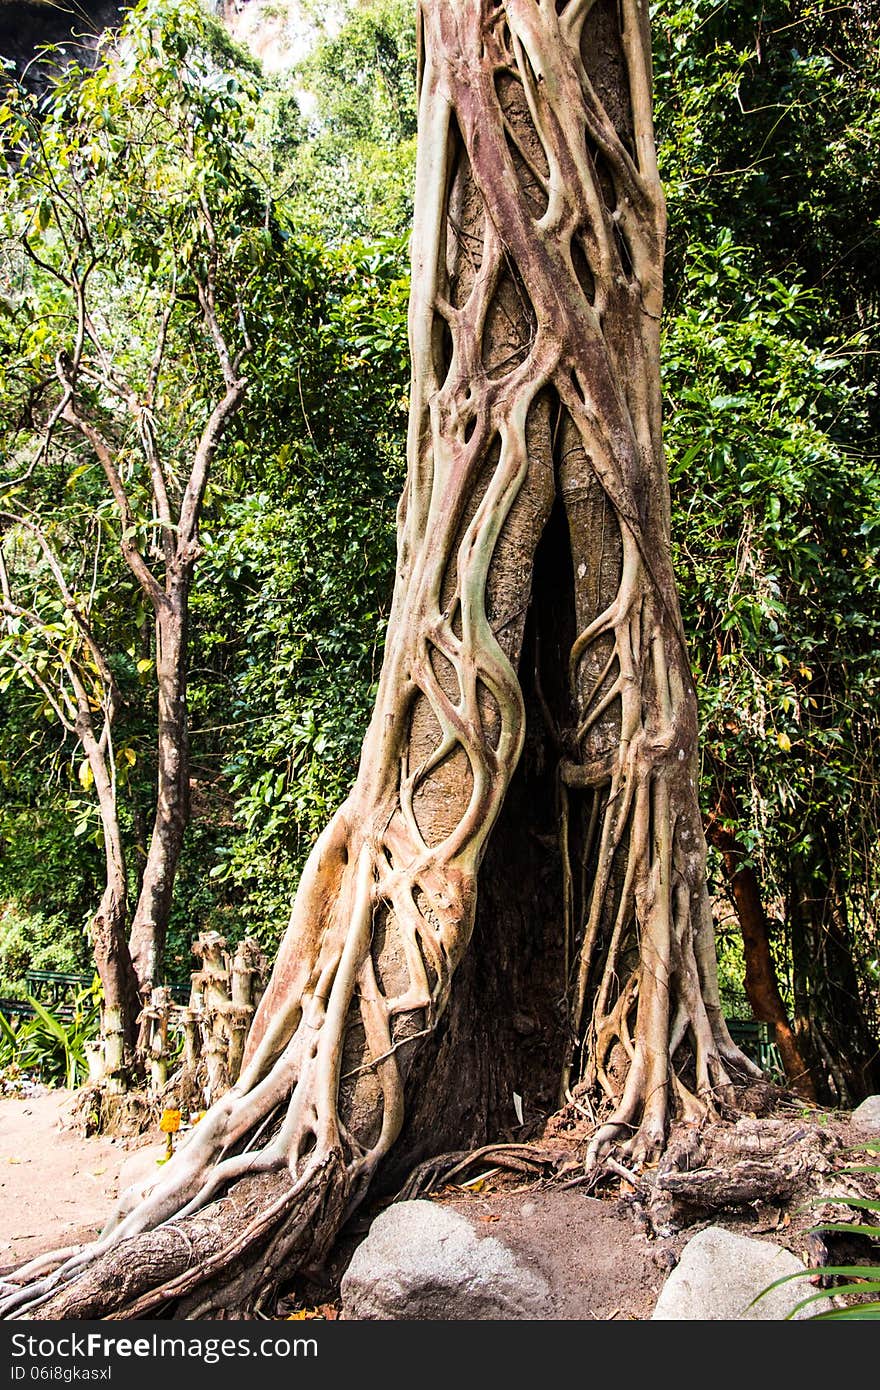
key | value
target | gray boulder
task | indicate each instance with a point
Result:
(867, 1115)
(719, 1273)
(421, 1261)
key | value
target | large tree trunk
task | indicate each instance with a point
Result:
(537, 255)
(149, 927)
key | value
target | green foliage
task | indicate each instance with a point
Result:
(33, 941)
(768, 120)
(768, 125)
(312, 594)
(134, 190)
(47, 1047)
(289, 599)
(355, 170)
(776, 539)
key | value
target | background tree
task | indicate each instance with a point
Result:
(136, 302)
(285, 635)
(50, 644)
(768, 119)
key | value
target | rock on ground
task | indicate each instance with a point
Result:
(867, 1115)
(422, 1261)
(720, 1273)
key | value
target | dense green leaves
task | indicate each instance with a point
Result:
(355, 174)
(769, 145)
(307, 559)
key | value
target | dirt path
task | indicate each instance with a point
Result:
(56, 1188)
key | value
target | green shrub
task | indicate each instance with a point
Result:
(47, 1047)
(32, 941)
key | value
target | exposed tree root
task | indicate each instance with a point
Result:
(537, 260)
(518, 1158)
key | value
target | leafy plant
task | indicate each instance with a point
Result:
(52, 1048)
(862, 1280)
(37, 940)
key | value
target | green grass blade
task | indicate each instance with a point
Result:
(863, 1203)
(49, 1020)
(858, 1310)
(848, 1228)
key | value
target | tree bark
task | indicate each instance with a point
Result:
(149, 926)
(761, 983)
(108, 930)
(121, 1005)
(534, 329)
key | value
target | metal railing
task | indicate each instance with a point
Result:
(56, 990)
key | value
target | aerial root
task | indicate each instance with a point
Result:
(269, 1217)
(434, 1172)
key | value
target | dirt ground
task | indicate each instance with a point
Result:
(56, 1188)
(595, 1256)
(601, 1256)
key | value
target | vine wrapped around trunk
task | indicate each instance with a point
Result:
(534, 325)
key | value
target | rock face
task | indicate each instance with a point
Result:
(867, 1115)
(422, 1261)
(26, 25)
(719, 1273)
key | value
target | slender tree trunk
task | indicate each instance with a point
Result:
(149, 927)
(535, 410)
(121, 1005)
(761, 982)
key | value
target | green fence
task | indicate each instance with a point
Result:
(57, 992)
(756, 1041)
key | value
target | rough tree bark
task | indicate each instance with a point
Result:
(121, 1001)
(149, 925)
(537, 266)
(761, 983)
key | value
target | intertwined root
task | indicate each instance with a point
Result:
(537, 260)
(646, 903)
